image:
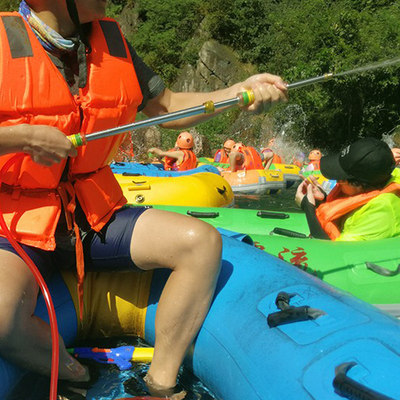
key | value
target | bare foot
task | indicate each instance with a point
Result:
(161, 391)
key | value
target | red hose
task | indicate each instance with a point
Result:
(42, 285)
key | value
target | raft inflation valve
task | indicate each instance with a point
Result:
(139, 198)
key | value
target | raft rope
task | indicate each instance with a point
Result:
(40, 281)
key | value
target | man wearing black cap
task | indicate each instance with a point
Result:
(365, 203)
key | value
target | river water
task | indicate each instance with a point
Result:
(282, 201)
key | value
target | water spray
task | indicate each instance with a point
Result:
(330, 75)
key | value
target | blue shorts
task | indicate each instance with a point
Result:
(107, 250)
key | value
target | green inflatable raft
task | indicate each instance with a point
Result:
(369, 270)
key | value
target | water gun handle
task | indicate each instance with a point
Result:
(121, 356)
(246, 98)
(78, 139)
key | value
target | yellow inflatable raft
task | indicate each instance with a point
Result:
(290, 172)
(202, 189)
(255, 181)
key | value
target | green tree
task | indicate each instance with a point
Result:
(9, 5)
(301, 39)
(163, 32)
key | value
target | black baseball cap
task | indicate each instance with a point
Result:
(367, 161)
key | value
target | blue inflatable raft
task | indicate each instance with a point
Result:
(132, 169)
(273, 333)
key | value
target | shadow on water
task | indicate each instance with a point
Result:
(283, 201)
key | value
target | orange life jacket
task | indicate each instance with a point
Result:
(189, 161)
(224, 158)
(315, 164)
(330, 212)
(252, 159)
(34, 92)
(298, 163)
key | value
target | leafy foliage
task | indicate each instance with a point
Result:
(299, 39)
(164, 30)
(9, 5)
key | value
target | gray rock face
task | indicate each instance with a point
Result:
(217, 67)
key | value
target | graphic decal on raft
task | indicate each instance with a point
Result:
(297, 257)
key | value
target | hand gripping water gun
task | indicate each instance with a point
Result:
(122, 356)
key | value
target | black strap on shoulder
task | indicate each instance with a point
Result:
(17, 36)
(73, 13)
(114, 40)
(84, 45)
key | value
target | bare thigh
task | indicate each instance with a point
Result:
(18, 293)
(161, 238)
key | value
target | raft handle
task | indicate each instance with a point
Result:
(131, 174)
(288, 233)
(382, 270)
(289, 314)
(200, 214)
(349, 388)
(272, 215)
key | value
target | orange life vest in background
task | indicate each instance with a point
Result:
(223, 157)
(252, 159)
(276, 159)
(298, 163)
(315, 164)
(189, 161)
(38, 94)
(335, 207)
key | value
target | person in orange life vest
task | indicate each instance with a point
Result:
(181, 157)
(365, 202)
(298, 159)
(269, 155)
(222, 155)
(396, 155)
(244, 157)
(314, 159)
(97, 82)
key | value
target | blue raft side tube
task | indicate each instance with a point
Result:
(157, 169)
(237, 355)
(67, 327)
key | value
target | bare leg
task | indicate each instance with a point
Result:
(24, 338)
(192, 250)
(235, 159)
